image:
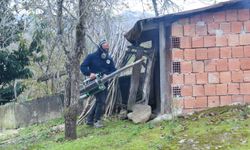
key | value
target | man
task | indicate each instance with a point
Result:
(98, 62)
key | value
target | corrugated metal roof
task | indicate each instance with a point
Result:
(134, 34)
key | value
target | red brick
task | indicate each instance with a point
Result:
(220, 16)
(186, 91)
(225, 52)
(212, 27)
(237, 99)
(245, 63)
(195, 19)
(197, 42)
(213, 101)
(189, 102)
(189, 54)
(177, 54)
(221, 41)
(225, 27)
(186, 67)
(213, 53)
(247, 26)
(185, 42)
(233, 88)
(236, 27)
(201, 78)
(222, 65)
(209, 41)
(225, 100)
(246, 51)
(190, 79)
(225, 77)
(177, 79)
(246, 76)
(247, 99)
(198, 90)
(244, 88)
(234, 64)
(245, 39)
(189, 29)
(201, 102)
(237, 76)
(210, 89)
(213, 77)
(243, 14)
(207, 17)
(201, 28)
(233, 40)
(221, 89)
(177, 30)
(237, 52)
(210, 65)
(231, 15)
(201, 54)
(198, 66)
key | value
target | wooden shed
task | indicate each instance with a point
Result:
(202, 56)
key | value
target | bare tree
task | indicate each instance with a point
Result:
(155, 7)
(164, 7)
(72, 66)
(73, 58)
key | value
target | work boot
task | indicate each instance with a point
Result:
(98, 124)
(91, 124)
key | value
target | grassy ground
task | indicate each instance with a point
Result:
(222, 128)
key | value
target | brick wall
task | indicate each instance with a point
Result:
(214, 55)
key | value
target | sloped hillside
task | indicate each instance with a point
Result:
(217, 128)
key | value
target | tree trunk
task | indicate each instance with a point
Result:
(72, 92)
(15, 91)
(71, 98)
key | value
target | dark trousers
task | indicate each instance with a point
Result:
(97, 110)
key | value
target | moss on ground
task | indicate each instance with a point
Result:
(216, 128)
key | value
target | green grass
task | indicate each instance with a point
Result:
(222, 128)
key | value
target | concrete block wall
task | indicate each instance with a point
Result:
(214, 55)
(15, 115)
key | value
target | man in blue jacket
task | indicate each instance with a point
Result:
(98, 62)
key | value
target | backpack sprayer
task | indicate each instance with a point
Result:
(92, 87)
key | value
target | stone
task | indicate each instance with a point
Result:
(123, 114)
(161, 118)
(140, 113)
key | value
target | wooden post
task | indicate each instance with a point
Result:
(165, 66)
(148, 77)
(134, 82)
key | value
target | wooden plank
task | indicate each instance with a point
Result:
(134, 83)
(148, 78)
(150, 26)
(168, 59)
(156, 77)
(139, 47)
(165, 84)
